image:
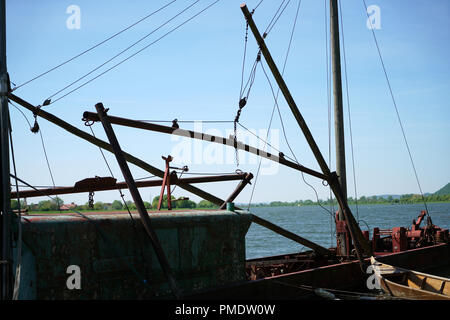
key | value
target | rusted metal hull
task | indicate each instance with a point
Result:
(205, 249)
(346, 275)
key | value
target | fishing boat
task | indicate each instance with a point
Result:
(408, 284)
(194, 254)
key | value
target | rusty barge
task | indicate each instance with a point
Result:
(189, 254)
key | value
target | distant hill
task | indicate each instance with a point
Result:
(443, 191)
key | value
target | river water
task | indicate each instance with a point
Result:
(314, 223)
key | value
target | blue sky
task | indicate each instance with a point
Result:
(195, 74)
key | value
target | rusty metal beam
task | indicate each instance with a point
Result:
(205, 137)
(123, 185)
(248, 177)
(145, 219)
(106, 146)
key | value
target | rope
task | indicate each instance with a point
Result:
(243, 100)
(265, 141)
(49, 168)
(276, 100)
(189, 121)
(23, 114)
(112, 175)
(132, 55)
(91, 48)
(271, 25)
(258, 5)
(287, 142)
(123, 51)
(397, 112)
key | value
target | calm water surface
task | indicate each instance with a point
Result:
(314, 223)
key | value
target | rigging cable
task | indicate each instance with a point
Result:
(121, 52)
(287, 142)
(189, 121)
(93, 47)
(276, 99)
(112, 175)
(258, 5)
(49, 168)
(397, 112)
(243, 100)
(136, 53)
(275, 20)
(122, 196)
(23, 114)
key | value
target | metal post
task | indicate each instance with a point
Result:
(166, 183)
(338, 114)
(137, 198)
(6, 245)
(239, 188)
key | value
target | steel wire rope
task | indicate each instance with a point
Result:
(133, 222)
(250, 81)
(93, 47)
(121, 52)
(112, 175)
(287, 142)
(137, 52)
(396, 111)
(276, 98)
(48, 166)
(271, 25)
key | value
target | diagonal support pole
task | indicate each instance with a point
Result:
(239, 188)
(106, 146)
(359, 241)
(137, 199)
(136, 161)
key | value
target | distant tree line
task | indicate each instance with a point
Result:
(116, 205)
(403, 199)
(184, 203)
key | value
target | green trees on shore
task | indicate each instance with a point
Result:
(184, 203)
(403, 199)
